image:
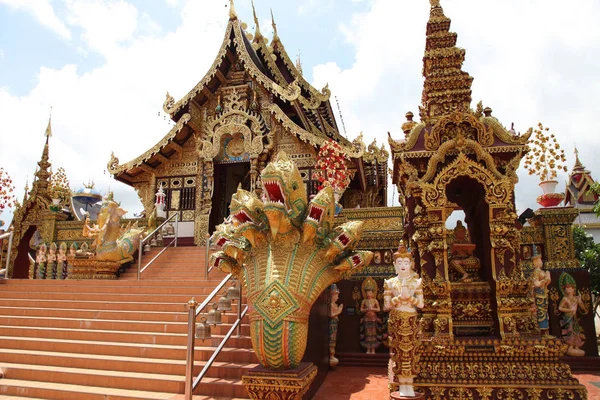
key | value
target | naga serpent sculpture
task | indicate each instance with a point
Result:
(286, 252)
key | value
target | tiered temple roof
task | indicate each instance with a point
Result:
(446, 102)
(577, 194)
(447, 87)
(302, 110)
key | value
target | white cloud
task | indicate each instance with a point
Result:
(110, 108)
(43, 12)
(315, 7)
(105, 25)
(527, 66)
(533, 61)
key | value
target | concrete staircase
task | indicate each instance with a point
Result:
(115, 340)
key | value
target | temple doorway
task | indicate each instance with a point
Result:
(227, 178)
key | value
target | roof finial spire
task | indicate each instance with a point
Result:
(26, 189)
(232, 14)
(299, 63)
(257, 33)
(275, 36)
(578, 165)
(42, 175)
(48, 132)
(447, 88)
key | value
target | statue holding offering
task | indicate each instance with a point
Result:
(403, 295)
(334, 311)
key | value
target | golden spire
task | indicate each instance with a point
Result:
(578, 167)
(48, 132)
(42, 175)
(275, 36)
(232, 14)
(447, 88)
(26, 189)
(299, 63)
(257, 33)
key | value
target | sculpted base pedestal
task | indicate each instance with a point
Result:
(291, 384)
(88, 268)
(398, 396)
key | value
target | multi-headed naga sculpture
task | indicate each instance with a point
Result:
(286, 252)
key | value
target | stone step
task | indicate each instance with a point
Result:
(146, 316)
(95, 305)
(115, 297)
(152, 316)
(95, 377)
(121, 339)
(175, 339)
(120, 380)
(202, 352)
(116, 363)
(57, 287)
(107, 283)
(57, 391)
(111, 325)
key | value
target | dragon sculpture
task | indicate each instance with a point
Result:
(286, 251)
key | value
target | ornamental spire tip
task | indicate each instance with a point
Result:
(232, 14)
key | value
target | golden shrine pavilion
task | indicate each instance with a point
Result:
(481, 333)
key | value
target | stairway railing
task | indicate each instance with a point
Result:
(8, 235)
(207, 256)
(148, 237)
(194, 311)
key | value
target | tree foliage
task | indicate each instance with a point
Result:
(588, 254)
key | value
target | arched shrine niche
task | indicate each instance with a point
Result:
(471, 236)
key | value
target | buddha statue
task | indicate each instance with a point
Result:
(462, 259)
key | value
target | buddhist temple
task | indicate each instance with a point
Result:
(250, 275)
(251, 104)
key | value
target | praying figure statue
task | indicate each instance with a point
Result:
(334, 311)
(371, 337)
(541, 280)
(403, 295)
(462, 259)
(41, 259)
(61, 262)
(51, 269)
(571, 331)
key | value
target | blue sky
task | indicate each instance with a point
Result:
(105, 65)
(26, 44)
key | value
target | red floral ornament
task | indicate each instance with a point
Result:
(331, 166)
(7, 197)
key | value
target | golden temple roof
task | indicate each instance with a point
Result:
(303, 110)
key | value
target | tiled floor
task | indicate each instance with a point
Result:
(355, 383)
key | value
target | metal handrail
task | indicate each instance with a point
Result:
(212, 295)
(236, 325)
(206, 268)
(8, 235)
(193, 314)
(144, 240)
